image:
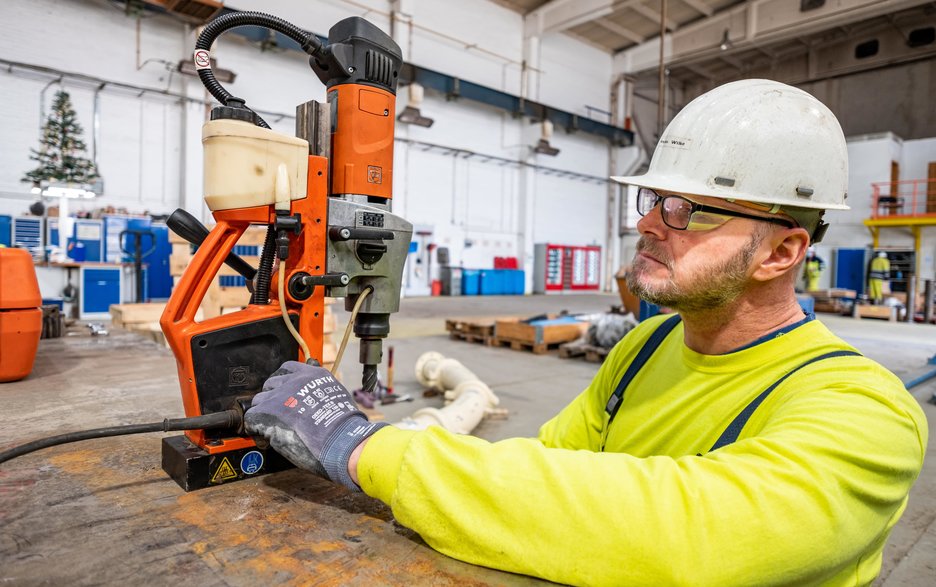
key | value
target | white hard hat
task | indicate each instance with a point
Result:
(755, 140)
(881, 254)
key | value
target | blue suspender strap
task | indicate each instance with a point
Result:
(733, 430)
(642, 356)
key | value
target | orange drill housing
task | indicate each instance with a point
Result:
(184, 334)
(362, 140)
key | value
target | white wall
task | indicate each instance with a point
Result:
(917, 156)
(150, 153)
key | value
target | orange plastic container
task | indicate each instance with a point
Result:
(20, 314)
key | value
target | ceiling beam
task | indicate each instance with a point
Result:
(619, 30)
(699, 6)
(652, 15)
(700, 40)
(560, 15)
(700, 70)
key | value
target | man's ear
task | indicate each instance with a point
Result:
(787, 248)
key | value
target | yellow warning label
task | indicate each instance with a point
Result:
(224, 472)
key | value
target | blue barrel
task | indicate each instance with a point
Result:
(507, 282)
(489, 282)
(518, 278)
(471, 282)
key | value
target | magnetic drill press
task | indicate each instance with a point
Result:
(325, 198)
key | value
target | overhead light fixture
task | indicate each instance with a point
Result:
(411, 113)
(725, 42)
(187, 67)
(65, 190)
(542, 145)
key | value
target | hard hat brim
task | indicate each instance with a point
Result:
(681, 185)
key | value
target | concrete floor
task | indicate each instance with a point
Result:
(139, 385)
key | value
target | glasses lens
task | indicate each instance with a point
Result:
(677, 212)
(707, 221)
(646, 200)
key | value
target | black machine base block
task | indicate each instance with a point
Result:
(193, 468)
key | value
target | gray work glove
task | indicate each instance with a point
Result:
(311, 419)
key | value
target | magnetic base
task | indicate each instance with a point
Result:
(193, 467)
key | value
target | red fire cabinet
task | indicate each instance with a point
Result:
(559, 268)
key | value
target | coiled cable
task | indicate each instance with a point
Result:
(308, 41)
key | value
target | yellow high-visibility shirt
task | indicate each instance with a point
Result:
(807, 494)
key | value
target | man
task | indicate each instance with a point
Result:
(878, 273)
(812, 269)
(739, 442)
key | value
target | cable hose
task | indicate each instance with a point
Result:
(261, 292)
(226, 419)
(308, 41)
(347, 333)
(281, 292)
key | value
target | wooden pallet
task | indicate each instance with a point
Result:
(479, 330)
(879, 312)
(524, 345)
(539, 332)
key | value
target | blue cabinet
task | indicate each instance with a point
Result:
(850, 267)
(90, 233)
(6, 224)
(28, 234)
(113, 226)
(52, 232)
(99, 288)
(158, 279)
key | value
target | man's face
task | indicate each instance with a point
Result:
(691, 270)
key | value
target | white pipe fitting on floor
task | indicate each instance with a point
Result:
(468, 399)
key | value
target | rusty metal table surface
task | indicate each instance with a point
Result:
(103, 512)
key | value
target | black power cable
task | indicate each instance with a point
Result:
(227, 419)
(308, 41)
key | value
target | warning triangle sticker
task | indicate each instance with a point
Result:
(224, 472)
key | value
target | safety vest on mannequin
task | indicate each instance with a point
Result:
(812, 269)
(880, 272)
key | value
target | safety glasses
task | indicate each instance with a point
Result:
(681, 213)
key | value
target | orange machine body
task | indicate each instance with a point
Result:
(306, 253)
(362, 140)
(20, 316)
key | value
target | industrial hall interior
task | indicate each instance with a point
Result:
(468, 292)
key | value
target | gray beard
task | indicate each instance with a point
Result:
(717, 284)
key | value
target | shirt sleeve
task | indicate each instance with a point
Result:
(818, 487)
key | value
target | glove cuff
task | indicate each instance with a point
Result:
(341, 443)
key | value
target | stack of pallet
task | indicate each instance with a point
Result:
(537, 335)
(221, 295)
(474, 329)
(144, 319)
(832, 300)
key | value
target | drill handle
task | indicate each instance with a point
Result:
(191, 229)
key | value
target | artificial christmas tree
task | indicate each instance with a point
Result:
(61, 152)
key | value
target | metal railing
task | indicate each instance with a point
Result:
(910, 198)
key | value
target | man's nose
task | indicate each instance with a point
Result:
(652, 223)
